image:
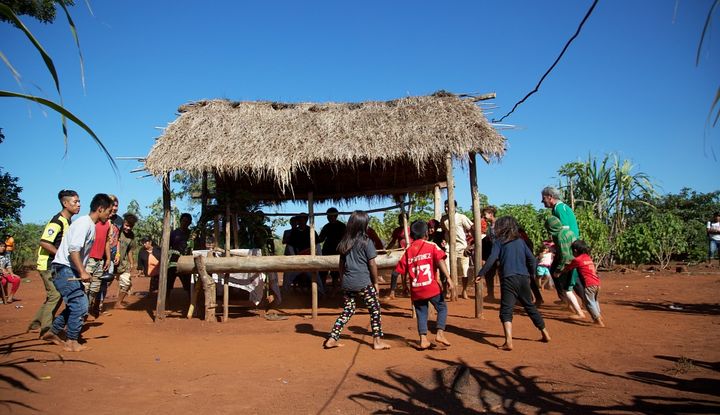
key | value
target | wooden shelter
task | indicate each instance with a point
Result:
(332, 151)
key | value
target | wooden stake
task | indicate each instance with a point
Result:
(164, 249)
(452, 230)
(315, 275)
(477, 219)
(405, 217)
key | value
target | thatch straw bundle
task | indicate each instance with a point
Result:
(336, 150)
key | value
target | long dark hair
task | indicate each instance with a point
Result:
(355, 231)
(506, 229)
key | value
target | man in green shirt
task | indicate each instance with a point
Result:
(551, 200)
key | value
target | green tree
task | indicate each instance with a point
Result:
(668, 237)
(27, 242)
(694, 210)
(10, 202)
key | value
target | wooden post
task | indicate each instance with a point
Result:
(405, 217)
(203, 209)
(452, 229)
(164, 249)
(437, 214)
(477, 219)
(208, 285)
(235, 231)
(216, 230)
(315, 275)
(226, 279)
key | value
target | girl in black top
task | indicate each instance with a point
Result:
(517, 265)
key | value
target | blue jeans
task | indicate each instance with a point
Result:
(713, 248)
(421, 308)
(76, 302)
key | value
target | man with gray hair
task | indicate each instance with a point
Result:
(551, 200)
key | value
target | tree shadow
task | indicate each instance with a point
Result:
(513, 391)
(15, 374)
(672, 307)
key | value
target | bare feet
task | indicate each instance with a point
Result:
(545, 336)
(74, 346)
(332, 344)
(577, 316)
(600, 322)
(424, 344)
(52, 338)
(379, 344)
(390, 296)
(440, 338)
(506, 346)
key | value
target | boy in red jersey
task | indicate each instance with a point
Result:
(586, 268)
(421, 260)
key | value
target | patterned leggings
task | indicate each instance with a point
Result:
(369, 295)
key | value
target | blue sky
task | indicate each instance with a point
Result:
(628, 84)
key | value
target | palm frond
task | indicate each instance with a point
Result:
(66, 114)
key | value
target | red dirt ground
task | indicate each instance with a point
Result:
(659, 354)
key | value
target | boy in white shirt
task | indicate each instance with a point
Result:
(68, 273)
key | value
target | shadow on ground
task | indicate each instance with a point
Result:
(17, 374)
(513, 391)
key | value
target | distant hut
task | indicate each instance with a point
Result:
(331, 151)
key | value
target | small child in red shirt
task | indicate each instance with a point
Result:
(586, 268)
(421, 260)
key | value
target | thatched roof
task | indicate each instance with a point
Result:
(282, 151)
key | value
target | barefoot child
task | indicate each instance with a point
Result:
(517, 264)
(545, 260)
(358, 274)
(586, 268)
(420, 261)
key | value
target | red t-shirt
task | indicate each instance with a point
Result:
(419, 260)
(101, 234)
(586, 268)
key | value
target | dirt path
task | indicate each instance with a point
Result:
(659, 354)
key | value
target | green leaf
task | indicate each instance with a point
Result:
(73, 30)
(65, 113)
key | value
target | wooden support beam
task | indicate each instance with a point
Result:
(452, 228)
(302, 263)
(315, 275)
(477, 219)
(164, 249)
(226, 279)
(437, 203)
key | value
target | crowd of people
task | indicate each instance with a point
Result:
(563, 262)
(78, 260)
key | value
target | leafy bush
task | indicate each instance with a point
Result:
(656, 240)
(532, 220)
(668, 237)
(633, 245)
(595, 233)
(27, 242)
